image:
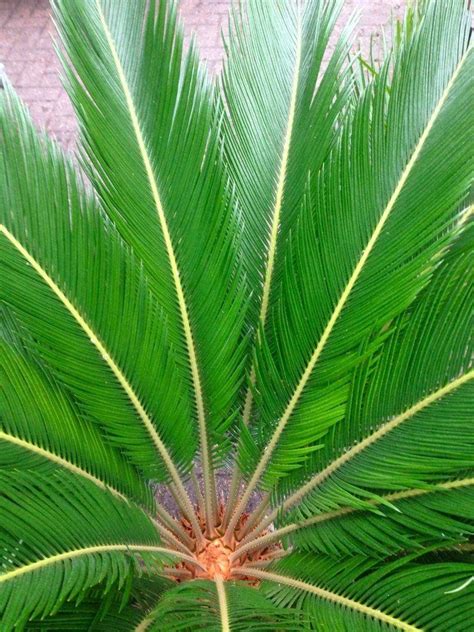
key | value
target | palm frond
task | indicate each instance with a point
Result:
(440, 516)
(158, 121)
(48, 431)
(359, 594)
(49, 555)
(431, 516)
(93, 319)
(362, 225)
(103, 613)
(423, 377)
(219, 607)
(83, 617)
(271, 270)
(278, 57)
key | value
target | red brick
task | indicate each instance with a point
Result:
(62, 124)
(20, 22)
(5, 15)
(40, 109)
(39, 94)
(210, 53)
(45, 41)
(32, 54)
(32, 76)
(15, 69)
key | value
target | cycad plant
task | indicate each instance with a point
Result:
(236, 353)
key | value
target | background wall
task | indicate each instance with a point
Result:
(27, 54)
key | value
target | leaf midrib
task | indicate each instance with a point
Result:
(327, 595)
(277, 207)
(294, 400)
(59, 460)
(387, 498)
(270, 262)
(223, 607)
(90, 550)
(113, 366)
(176, 275)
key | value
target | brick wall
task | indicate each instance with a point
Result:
(27, 53)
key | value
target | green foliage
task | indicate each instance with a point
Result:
(272, 272)
(195, 606)
(61, 536)
(407, 588)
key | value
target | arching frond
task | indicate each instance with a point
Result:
(157, 120)
(85, 616)
(103, 613)
(48, 431)
(93, 320)
(425, 367)
(271, 270)
(276, 57)
(376, 220)
(440, 516)
(379, 447)
(433, 516)
(361, 595)
(49, 555)
(199, 606)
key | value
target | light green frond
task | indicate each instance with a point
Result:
(145, 108)
(199, 605)
(84, 617)
(283, 95)
(380, 447)
(86, 303)
(430, 516)
(271, 270)
(376, 220)
(61, 536)
(414, 423)
(117, 610)
(361, 595)
(47, 431)
(441, 516)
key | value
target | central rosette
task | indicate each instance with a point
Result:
(215, 558)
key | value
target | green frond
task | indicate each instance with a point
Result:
(83, 617)
(272, 268)
(376, 220)
(61, 536)
(407, 428)
(438, 516)
(413, 426)
(360, 594)
(283, 96)
(146, 108)
(196, 606)
(78, 290)
(86, 616)
(103, 613)
(47, 431)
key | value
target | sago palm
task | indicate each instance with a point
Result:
(235, 354)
